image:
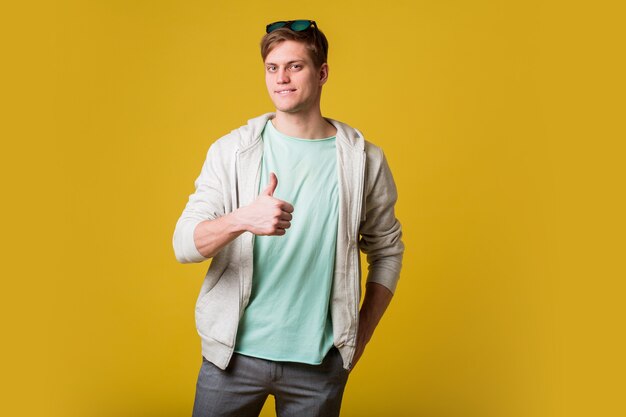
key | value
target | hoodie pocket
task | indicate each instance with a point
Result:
(217, 311)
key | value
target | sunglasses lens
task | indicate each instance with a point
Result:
(299, 25)
(276, 25)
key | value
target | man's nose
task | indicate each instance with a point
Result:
(282, 76)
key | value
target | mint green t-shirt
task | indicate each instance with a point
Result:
(288, 316)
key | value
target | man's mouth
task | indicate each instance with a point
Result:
(286, 91)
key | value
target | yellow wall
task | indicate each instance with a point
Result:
(502, 122)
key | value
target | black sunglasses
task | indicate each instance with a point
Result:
(295, 25)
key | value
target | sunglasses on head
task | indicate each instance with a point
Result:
(295, 25)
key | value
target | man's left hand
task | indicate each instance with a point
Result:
(362, 339)
(377, 298)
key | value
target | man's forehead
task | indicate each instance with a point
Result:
(286, 52)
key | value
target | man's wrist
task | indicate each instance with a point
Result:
(366, 325)
(235, 221)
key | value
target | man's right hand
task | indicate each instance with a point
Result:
(267, 216)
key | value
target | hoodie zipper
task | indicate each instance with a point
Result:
(355, 258)
(243, 246)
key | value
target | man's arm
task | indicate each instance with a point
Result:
(267, 216)
(381, 241)
(377, 298)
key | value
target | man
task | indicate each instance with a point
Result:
(283, 204)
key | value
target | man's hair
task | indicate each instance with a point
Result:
(313, 38)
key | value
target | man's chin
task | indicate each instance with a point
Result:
(290, 110)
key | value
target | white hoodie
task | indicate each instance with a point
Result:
(230, 179)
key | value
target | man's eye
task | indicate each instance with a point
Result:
(296, 66)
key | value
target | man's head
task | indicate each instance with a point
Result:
(313, 38)
(295, 68)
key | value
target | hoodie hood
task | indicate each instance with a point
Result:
(250, 133)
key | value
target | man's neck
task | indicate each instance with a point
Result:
(303, 126)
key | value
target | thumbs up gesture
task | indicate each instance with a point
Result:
(267, 216)
(271, 187)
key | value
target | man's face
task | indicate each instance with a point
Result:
(293, 83)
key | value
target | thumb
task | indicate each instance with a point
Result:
(271, 187)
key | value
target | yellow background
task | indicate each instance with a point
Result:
(503, 122)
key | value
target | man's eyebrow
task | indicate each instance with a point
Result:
(290, 62)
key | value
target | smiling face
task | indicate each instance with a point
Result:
(293, 82)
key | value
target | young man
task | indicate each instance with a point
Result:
(283, 204)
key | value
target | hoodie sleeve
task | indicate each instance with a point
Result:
(381, 232)
(206, 203)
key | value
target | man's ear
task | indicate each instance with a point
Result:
(323, 73)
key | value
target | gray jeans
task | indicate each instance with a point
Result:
(299, 389)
